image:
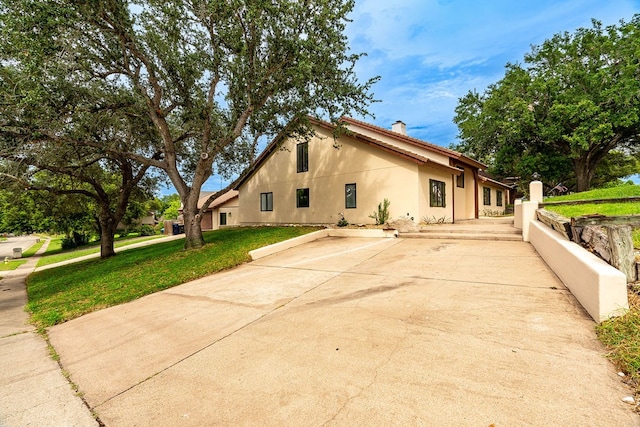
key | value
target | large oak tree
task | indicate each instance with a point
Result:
(214, 76)
(574, 102)
(59, 137)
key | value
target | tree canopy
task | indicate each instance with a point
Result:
(572, 105)
(213, 77)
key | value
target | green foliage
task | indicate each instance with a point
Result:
(382, 214)
(621, 335)
(608, 209)
(171, 206)
(56, 254)
(75, 240)
(203, 82)
(428, 220)
(626, 190)
(11, 264)
(563, 112)
(147, 230)
(342, 222)
(74, 290)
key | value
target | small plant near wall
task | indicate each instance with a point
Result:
(489, 212)
(382, 214)
(429, 220)
(342, 222)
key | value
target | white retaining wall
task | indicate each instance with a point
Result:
(599, 287)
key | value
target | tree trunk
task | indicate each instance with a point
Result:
(584, 173)
(192, 225)
(107, 232)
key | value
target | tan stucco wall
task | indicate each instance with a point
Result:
(404, 145)
(464, 203)
(492, 209)
(435, 214)
(377, 175)
(212, 218)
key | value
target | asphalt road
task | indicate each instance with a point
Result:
(7, 246)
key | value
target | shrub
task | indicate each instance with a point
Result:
(147, 230)
(74, 240)
(382, 214)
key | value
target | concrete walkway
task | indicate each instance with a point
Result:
(350, 331)
(33, 391)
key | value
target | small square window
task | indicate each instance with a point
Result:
(266, 201)
(498, 198)
(350, 196)
(437, 194)
(486, 196)
(303, 157)
(302, 198)
(460, 178)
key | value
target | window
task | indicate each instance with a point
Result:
(498, 198)
(486, 196)
(350, 196)
(223, 218)
(438, 198)
(460, 178)
(266, 201)
(303, 157)
(302, 198)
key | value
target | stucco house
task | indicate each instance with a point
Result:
(223, 211)
(320, 180)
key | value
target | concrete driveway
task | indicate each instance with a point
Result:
(350, 331)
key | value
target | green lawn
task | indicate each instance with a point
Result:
(56, 254)
(601, 193)
(66, 292)
(12, 264)
(608, 209)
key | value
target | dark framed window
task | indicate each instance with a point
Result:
(437, 194)
(350, 196)
(302, 198)
(498, 198)
(302, 150)
(223, 218)
(460, 178)
(266, 201)
(486, 196)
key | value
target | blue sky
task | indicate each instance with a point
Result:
(429, 53)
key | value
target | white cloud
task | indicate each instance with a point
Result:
(430, 53)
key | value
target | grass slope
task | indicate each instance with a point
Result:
(60, 294)
(608, 209)
(601, 193)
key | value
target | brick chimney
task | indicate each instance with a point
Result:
(399, 127)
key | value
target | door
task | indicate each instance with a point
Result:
(223, 218)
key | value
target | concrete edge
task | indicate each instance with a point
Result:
(328, 232)
(600, 288)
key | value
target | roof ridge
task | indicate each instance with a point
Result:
(399, 135)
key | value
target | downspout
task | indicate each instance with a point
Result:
(475, 189)
(453, 198)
